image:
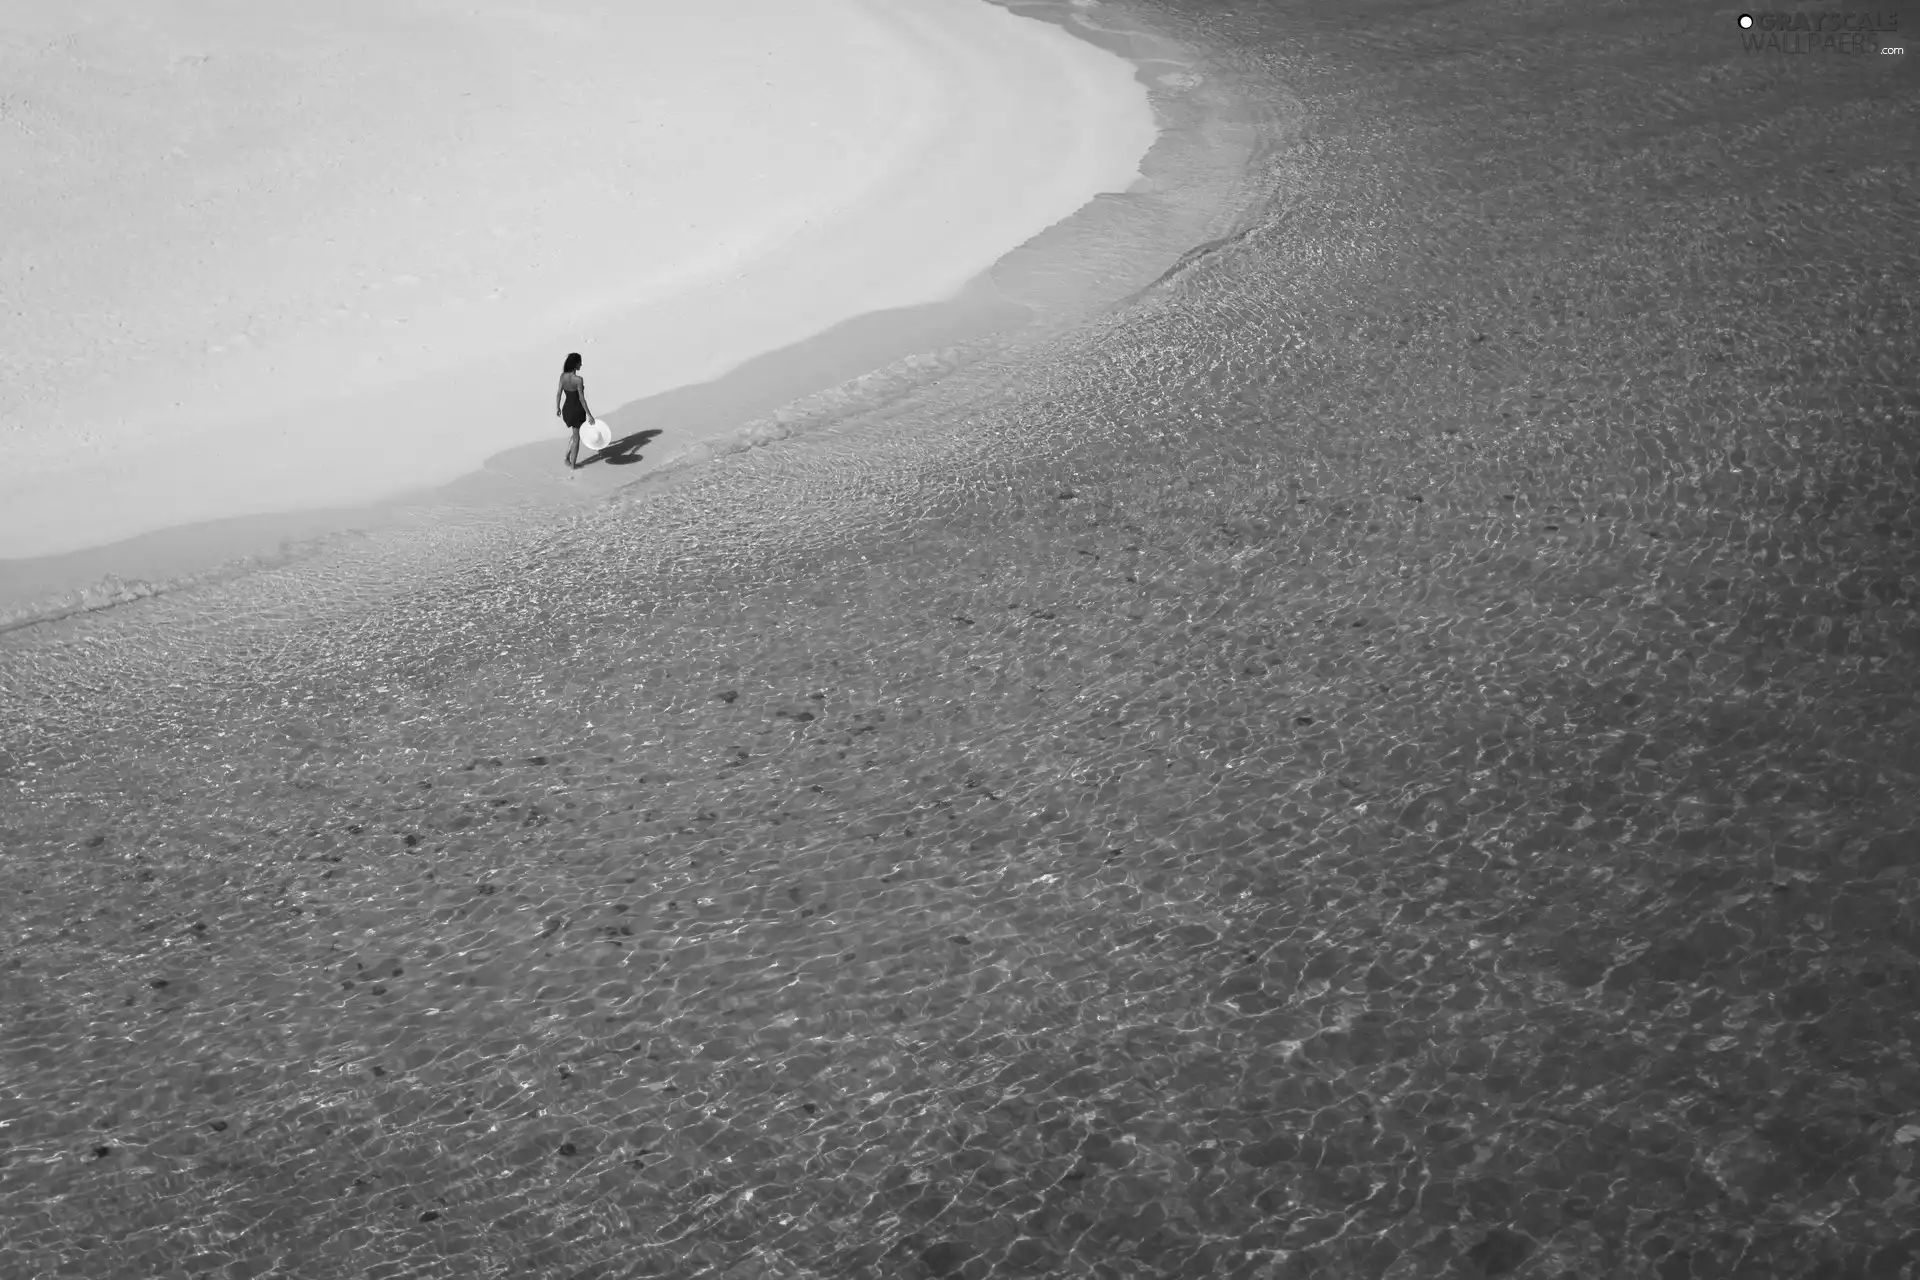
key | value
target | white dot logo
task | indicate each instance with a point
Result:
(1746, 20)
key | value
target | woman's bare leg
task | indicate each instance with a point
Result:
(573, 450)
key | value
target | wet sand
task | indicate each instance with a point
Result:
(1392, 755)
(675, 428)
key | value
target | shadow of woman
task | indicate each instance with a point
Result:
(625, 450)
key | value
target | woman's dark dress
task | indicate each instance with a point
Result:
(572, 412)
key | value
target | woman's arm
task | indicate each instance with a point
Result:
(583, 401)
(559, 398)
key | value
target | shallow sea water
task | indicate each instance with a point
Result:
(1393, 754)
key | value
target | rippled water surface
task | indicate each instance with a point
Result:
(1393, 754)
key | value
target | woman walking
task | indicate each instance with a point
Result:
(570, 405)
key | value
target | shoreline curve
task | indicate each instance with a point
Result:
(1192, 187)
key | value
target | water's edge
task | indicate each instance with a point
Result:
(1194, 188)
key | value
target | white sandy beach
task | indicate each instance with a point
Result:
(277, 256)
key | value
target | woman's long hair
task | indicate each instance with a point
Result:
(573, 363)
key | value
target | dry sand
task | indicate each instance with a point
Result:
(288, 258)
